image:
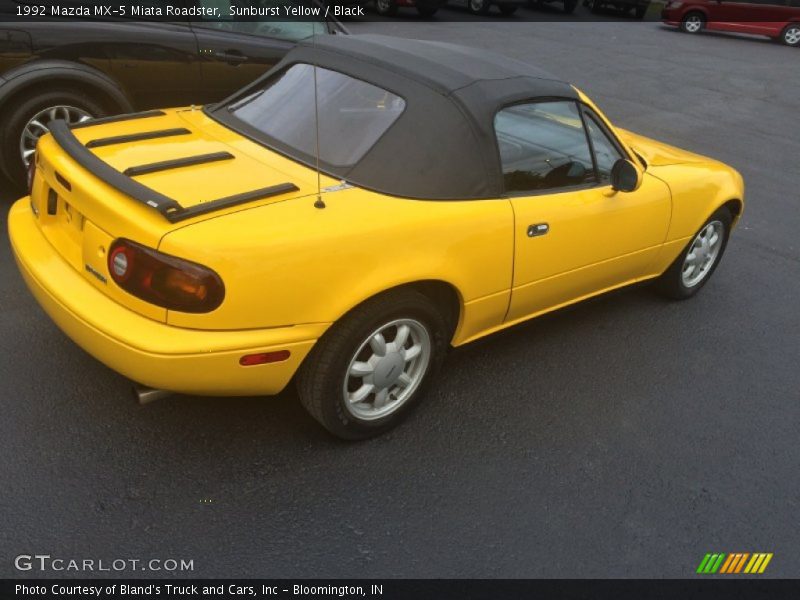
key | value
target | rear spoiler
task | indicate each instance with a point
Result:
(165, 205)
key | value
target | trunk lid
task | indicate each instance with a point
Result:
(81, 214)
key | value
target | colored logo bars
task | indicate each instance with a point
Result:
(742, 562)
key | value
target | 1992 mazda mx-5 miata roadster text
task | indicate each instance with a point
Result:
(346, 218)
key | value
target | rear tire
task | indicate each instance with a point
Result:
(790, 36)
(331, 380)
(23, 112)
(693, 22)
(686, 276)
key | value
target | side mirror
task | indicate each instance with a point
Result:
(625, 176)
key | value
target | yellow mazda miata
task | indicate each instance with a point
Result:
(346, 218)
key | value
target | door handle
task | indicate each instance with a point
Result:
(232, 57)
(538, 229)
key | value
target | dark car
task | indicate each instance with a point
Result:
(426, 8)
(637, 7)
(482, 7)
(568, 6)
(79, 69)
(777, 19)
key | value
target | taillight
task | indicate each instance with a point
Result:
(31, 173)
(165, 280)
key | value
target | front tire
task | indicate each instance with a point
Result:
(371, 367)
(790, 36)
(29, 118)
(697, 263)
(693, 22)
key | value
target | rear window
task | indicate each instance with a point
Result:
(352, 114)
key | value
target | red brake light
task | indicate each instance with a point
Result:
(164, 280)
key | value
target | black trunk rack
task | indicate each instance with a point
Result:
(168, 207)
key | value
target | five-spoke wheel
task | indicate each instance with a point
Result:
(791, 35)
(693, 22)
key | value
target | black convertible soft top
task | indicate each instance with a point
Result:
(443, 145)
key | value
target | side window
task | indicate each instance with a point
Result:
(259, 18)
(543, 146)
(606, 152)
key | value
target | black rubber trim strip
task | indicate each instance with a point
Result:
(52, 202)
(211, 206)
(168, 207)
(105, 172)
(117, 118)
(175, 163)
(137, 137)
(64, 183)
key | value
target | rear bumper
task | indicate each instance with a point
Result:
(146, 351)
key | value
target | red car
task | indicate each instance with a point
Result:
(778, 19)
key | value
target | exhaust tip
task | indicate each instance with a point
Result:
(146, 395)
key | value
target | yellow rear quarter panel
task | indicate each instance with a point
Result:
(292, 263)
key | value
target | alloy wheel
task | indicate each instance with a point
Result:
(693, 24)
(703, 254)
(791, 36)
(387, 369)
(39, 125)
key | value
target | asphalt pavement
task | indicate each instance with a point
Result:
(626, 437)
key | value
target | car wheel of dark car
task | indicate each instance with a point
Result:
(695, 265)
(791, 35)
(479, 7)
(387, 8)
(507, 9)
(693, 22)
(30, 118)
(369, 369)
